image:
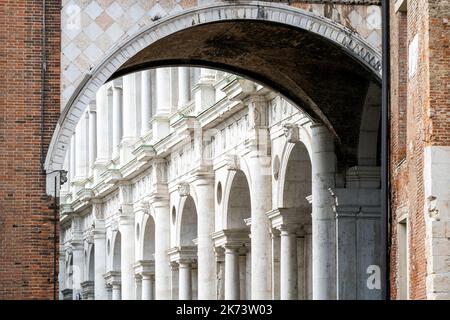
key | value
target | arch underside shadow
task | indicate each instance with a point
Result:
(320, 66)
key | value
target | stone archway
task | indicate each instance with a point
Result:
(361, 61)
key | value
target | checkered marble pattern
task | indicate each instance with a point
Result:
(91, 28)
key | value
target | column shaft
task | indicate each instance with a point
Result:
(78, 269)
(116, 294)
(81, 147)
(162, 242)
(261, 242)
(92, 137)
(100, 262)
(205, 226)
(185, 281)
(323, 221)
(126, 228)
(147, 287)
(288, 266)
(163, 99)
(72, 157)
(117, 119)
(184, 86)
(232, 284)
(146, 101)
(103, 125)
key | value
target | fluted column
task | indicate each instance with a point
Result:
(117, 118)
(92, 135)
(146, 101)
(288, 264)
(184, 86)
(204, 186)
(185, 280)
(323, 221)
(232, 283)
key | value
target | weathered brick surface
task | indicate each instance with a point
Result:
(26, 222)
(427, 123)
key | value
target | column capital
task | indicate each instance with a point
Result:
(203, 172)
(183, 254)
(144, 267)
(288, 217)
(112, 278)
(231, 239)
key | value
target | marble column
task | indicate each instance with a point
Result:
(160, 121)
(232, 284)
(204, 92)
(261, 242)
(72, 158)
(103, 126)
(242, 274)
(78, 257)
(184, 86)
(117, 119)
(147, 286)
(138, 287)
(130, 114)
(126, 228)
(81, 147)
(116, 291)
(162, 243)
(174, 280)
(146, 101)
(275, 235)
(100, 260)
(92, 136)
(62, 270)
(308, 263)
(288, 264)
(185, 280)
(204, 186)
(323, 162)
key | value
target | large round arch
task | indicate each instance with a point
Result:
(322, 49)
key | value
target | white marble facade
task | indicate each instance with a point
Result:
(188, 183)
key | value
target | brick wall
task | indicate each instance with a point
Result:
(427, 123)
(26, 221)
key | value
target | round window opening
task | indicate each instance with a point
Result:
(276, 167)
(174, 215)
(219, 192)
(138, 231)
